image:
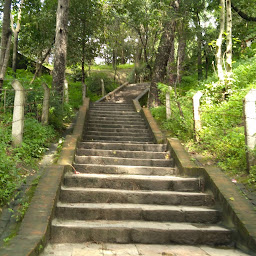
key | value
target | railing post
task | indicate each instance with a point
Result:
(65, 92)
(168, 103)
(18, 114)
(197, 119)
(103, 92)
(46, 105)
(250, 127)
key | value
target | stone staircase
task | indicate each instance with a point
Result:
(126, 189)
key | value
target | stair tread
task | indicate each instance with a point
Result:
(128, 166)
(128, 158)
(148, 207)
(113, 141)
(127, 191)
(138, 225)
(121, 145)
(134, 177)
(123, 153)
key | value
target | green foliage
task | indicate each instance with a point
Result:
(139, 72)
(75, 94)
(94, 82)
(13, 160)
(36, 140)
(222, 133)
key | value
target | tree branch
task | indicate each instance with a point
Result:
(242, 14)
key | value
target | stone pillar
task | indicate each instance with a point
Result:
(102, 88)
(18, 114)
(197, 119)
(250, 127)
(65, 92)
(168, 103)
(46, 105)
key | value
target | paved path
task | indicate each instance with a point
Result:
(92, 249)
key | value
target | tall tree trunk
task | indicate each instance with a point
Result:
(199, 46)
(181, 51)
(219, 59)
(5, 40)
(16, 37)
(83, 64)
(162, 57)
(15, 50)
(206, 64)
(114, 58)
(60, 46)
(229, 40)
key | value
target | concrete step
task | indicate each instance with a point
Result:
(93, 125)
(64, 231)
(118, 138)
(123, 161)
(123, 146)
(121, 169)
(110, 112)
(100, 195)
(123, 153)
(114, 123)
(115, 134)
(113, 141)
(115, 119)
(113, 109)
(112, 105)
(117, 130)
(144, 212)
(133, 182)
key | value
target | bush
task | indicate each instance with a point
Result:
(75, 94)
(141, 71)
(222, 133)
(93, 83)
(14, 161)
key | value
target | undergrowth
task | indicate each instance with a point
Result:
(16, 163)
(222, 134)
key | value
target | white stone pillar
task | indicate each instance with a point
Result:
(168, 103)
(18, 114)
(65, 92)
(103, 88)
(197, 119)
(250, 126)
(46, 105)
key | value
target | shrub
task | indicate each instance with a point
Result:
(93, 83)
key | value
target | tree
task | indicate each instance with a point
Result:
(38, 31)
(229, 41)
(86, 23)
(243, 14)
(15, 31)
(219, 59)
(145, 19)
(163, 54)
(58, 75)
(5, 40)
